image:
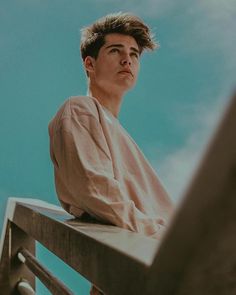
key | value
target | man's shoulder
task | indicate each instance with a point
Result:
(74, 107)
(78, 105)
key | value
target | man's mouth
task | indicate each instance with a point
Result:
(126, 72)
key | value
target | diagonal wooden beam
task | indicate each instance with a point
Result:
(198, 254)
(114, 259)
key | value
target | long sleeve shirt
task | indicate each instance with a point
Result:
(100, 170)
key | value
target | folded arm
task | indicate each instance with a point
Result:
(83, 160)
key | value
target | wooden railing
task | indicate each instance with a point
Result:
(196, 256)
(99, 252)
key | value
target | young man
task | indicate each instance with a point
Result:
(99, 170)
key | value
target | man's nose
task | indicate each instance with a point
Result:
(126, 60)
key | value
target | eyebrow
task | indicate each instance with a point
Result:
(121, 46)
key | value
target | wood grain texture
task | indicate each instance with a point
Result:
(114, 259)
(5, 263)
(55, 286)
(18, 270)
(198, 253)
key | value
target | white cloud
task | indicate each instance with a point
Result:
(211, 30)
(178, 168)
(208, 28)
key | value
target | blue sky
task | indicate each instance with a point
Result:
(181, 92)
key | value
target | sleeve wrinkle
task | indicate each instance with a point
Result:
(93, 191)
(91, 125)
(122, 212)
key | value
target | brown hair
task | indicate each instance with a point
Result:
(93, 36)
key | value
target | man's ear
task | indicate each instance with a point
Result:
(89, 64)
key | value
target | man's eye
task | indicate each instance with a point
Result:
(135, 54)
(114, 50)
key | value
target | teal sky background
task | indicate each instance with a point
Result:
(181, 92)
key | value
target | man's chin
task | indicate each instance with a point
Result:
(126, 85)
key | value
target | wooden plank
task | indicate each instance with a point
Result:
(198, 254)
(11, 270)
(5, 261)
(55, 286)
(18, 271)
(114, 259)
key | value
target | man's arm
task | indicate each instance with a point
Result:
(85, 165)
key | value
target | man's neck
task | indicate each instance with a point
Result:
(110, 101)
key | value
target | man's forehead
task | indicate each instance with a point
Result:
(115, 38)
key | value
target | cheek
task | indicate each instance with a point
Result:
(104, 73)
(105, 66)
(101, 70)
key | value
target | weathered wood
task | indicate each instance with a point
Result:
(55, 286)
(5, 260)
(198, 254)
(114, 259)
(24, 288)
(11, 271)
(18, 270)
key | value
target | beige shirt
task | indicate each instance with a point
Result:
(100, 170)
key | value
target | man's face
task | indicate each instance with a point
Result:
(117, 65)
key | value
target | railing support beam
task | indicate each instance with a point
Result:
(54, 285)
(24, 288)
(5, 261)
(19, 271)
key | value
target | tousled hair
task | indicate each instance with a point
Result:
(93, 36)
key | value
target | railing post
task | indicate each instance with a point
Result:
(18, 270)
(5, 262)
